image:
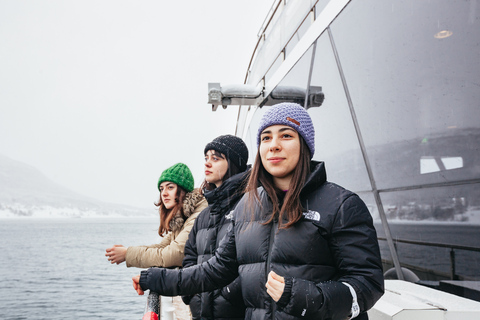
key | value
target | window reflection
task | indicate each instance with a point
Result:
(250, 139)
(336, 140)
(274, 67)
(435, 164)
(298, 75)
(436, 215)
(415, 93)
(299, 33)
(277, 36)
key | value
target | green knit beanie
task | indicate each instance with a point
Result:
(180, 174)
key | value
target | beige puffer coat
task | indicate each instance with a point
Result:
(170, 251)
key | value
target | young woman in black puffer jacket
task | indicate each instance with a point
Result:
(226, 174)
(303, 247)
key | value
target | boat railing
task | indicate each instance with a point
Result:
(158, 307)
(453, 274)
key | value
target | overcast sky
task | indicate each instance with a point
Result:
(102, 96)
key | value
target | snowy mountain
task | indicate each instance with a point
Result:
(25, 191)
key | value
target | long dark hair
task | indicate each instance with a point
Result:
(291, 209)
(231, 171)
(166, 215)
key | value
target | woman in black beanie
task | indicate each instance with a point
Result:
(226, 173)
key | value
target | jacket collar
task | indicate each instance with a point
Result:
(189, 204)
(317, 177)
(220, 198)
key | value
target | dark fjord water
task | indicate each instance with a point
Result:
(57, 269)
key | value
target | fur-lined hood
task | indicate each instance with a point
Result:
(190, 203)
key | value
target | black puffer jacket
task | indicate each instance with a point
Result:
(334, 242)
(209, 228)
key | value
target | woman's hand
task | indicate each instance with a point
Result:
(136, 285)
(275, 285)
(116, 254)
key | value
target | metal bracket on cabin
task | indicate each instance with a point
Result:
(245, 94)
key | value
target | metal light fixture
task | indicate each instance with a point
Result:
(245, 94)
(242, 94)
(443, 34)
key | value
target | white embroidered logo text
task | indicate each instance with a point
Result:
(312, 215)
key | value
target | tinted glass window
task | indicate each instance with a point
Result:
(413, 74)
(298, 76)
(251, 136)
(278, 35)
(444, 215)
(414, 80)
(336, 142)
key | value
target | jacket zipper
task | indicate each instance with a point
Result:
(268, 269)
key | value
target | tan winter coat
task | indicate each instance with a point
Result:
(170, 251)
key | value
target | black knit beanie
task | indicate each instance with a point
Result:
(232, 147)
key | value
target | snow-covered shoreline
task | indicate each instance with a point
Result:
(17, 210)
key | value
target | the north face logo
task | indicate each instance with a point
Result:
(312, 215)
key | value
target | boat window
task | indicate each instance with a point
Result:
(413, 87)
(278, 35)
(435, 216)
(251, 136)
(296, 77)
(435, 164)
(335, 137)
(415, 93)
(274, 67)
(299, 34)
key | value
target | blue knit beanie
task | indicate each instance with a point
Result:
(292, 115)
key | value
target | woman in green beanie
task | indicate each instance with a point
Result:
(178, 205)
